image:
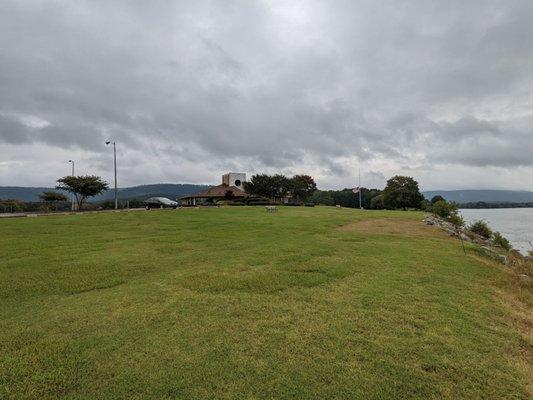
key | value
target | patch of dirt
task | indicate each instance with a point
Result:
(394, 226)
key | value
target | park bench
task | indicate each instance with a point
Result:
(271, 209)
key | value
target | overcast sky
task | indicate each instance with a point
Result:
(439, 90)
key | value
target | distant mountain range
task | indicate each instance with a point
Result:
(487, 196)
(136, 192)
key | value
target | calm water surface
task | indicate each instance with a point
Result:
(516, 224)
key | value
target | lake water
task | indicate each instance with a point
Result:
(516, 224)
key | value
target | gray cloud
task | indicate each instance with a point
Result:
(191, 89)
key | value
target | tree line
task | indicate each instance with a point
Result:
(401, 192)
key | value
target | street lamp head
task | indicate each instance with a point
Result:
(107, 142)
(70, 161)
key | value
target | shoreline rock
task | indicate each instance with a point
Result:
(490, 249)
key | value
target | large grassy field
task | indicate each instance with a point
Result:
(235, 303)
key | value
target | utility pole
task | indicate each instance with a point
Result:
(115, 165)
(72, 195)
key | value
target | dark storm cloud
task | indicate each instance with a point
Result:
(271, 85)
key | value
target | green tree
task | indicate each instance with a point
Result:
(376, 202)
(323, 197)
(402, 192)
(259, 185)
(436, 198)
(281, 186)
(270, 186)
(82, 187)
(52, 198)
(302, 186)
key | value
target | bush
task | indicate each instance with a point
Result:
(443, 209)
(501, 241)
(257, 201)
(229, 203)
(456, 220)
(11, 205)
(481, 228)
(309, 204)
(425, 205)
(448, 212)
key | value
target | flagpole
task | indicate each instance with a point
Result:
(360, 190)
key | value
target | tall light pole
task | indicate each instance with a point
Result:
(72, 195)
(115, 164)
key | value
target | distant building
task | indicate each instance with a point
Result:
(232, 186)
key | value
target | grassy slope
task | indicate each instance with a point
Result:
(238, 303)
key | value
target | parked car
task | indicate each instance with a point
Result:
(159, 202)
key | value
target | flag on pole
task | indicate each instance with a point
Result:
(356, 190)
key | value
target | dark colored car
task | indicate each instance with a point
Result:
(159, 202)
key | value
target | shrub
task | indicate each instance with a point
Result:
(443, 209)
(481, 228)
(456, 220)
(425, 205)
(11, 205)
(501, 241)
(447, 211)
(257, 201)
(309, 204)
(229, 203)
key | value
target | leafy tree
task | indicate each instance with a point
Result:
(259, 185)
(368, 195)
(280, 185)
(51, 198)
(402, 192)
(11, 205)
(82, 187)
(302, 186)
(270, 186)
(436, 198)
(346, 198)
(377, 202)
(324, 197)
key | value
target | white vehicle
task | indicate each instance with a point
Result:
(159, 202)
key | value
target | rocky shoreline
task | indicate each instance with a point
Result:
(487, 247)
